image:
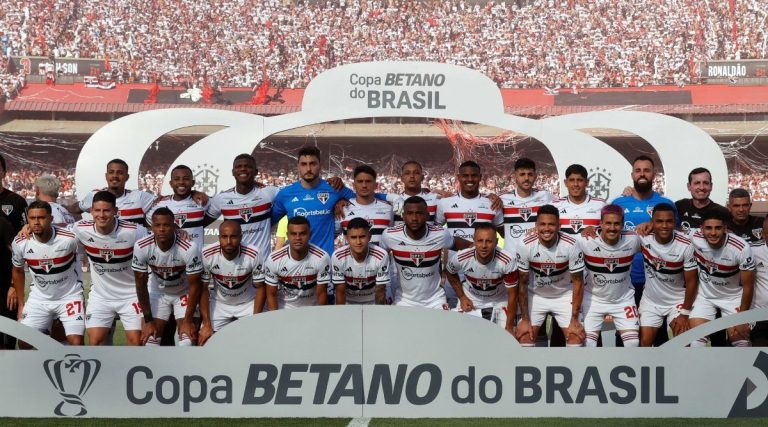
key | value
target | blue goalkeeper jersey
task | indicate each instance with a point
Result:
(316, 204)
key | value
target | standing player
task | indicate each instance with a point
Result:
(489, 285)
(608, 289)
(412, 176)
(248, 203)
(47, 190)
(365, 205)
(551, 267)
(743, 224)
(12, 208)
(759, 335)
(235, 271)
(174, 285)
(188, 214)
(692, 210)
(671, 277)
(108, 243)
(360, 270)
(726, 276)
(416, 248)
(522, 204)
(578, 209)
(298, 274)
(57, 291)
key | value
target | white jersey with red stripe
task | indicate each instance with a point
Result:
(169, 268)
(234, 279)
(608, 267)
(61, 216)
(53, 265)
(664, 265)
(417, 263)
(719, 268)
(575, 217)
(397, 201)
(485, 284)
(520, 215)
(460, 214)
(378, 214)
(110, 256)
(550, 268)
(132, 206)
(360, 278)
(296, 280)
(760, 252)
(253, 211)
(187, 214)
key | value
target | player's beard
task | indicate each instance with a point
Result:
(643, 187)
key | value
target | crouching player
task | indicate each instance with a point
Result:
(235, 271)
(175, 283)
(360, 270)
(490, 275)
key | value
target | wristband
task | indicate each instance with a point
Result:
(148, 317)
(684, 312)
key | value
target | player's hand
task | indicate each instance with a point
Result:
(629, 191)
(442, 194)
(577, 329)
(466, 304)
(524, 330)
(149, 330)
(496, 202)
(739, 332)
(532, 232)
(679, 324)
(11, 300)
(589, 232)
(336, 182)
(644, 229)
(25, 232)
(338, 210)
(206, 331)
(200, 198)
(183, 235)
(187, 328)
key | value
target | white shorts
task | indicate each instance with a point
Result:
(624, 313)
(70, 311)
(163, 304)
(561, 308)
(437, 304)
(101, 313)
(496, 314)
(706, 308)
(223, 314)
(652, 315)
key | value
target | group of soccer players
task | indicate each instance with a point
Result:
(641, 261)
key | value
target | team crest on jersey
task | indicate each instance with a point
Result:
(658, 264)
(180, 219)
(107, 254)
(470, 218)
(323, 197)
(163, 272)
(358, 283)
(246, 213)
(611, 263)
(758, 233)
(710, 266)
(548, 268)
(417, 258)
(46, 264)
(576, 224)
(230, 281)
(7, 209)
(525, 213)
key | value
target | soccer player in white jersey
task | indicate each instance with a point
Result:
(47, 190)
(670, 277)
(412, 176)
(489, 286)
(57, 292)
(608, 290)
(522, 204)
(726, 276)
(132, 205)
(551, 268)
(416, 248)
(759, 335)
(236, 272)
(108, 243)
(298, 274)
(377, 213)
(247, 203)
(578, 209)
(189, 215)
(174, 285)
(360, 270)
(468, 207)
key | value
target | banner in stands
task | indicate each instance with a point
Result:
(36, 65)
(384, 362)
(408, 89)
(733, 69)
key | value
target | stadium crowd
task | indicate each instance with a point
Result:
(519, 44)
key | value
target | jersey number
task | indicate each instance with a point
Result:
(183, 300)
(74, 307)
(136, 307)
(631, 312)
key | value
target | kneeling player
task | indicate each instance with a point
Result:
(360, 269)
(175, 284)
(490, 277)
(670, 277)
(726, 277)
(56, 291)
(557, 284)
(298, 274)
(235, 271)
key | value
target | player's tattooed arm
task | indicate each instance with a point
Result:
(575, 329)
(195, 291)
(741, 332)
(17, 277)
(512, 296)
(524, 329)
(150, 328)
(205, 332)
(380, 294)
(680, 323)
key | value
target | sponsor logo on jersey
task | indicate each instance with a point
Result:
(7, 209)
(107, 254)
(180, 219)
(323, 197)
(295, 200)
(30, 251)
(71, 377)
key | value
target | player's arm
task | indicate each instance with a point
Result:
(212, 212)
(272, 284)
(382, 281)
(195, 291)
(741, 332)
(512, 296)
(575, 327)
(142, 293)
(459, 244)
(278, 207)
(524, 326)
(465, 303)
(691, 278)
(17, 301)
(75, 208)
